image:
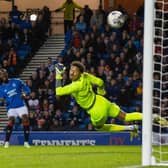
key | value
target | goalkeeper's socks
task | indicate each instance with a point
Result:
(26, 132)
(8, 132)
(116, 127)
(131, 127)
(135, 116)
(112, 128)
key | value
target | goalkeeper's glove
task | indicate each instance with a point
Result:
(59, 70)
(101, 91)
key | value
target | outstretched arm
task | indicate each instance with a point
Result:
(77, 6)
(64, 90)
(68, 89)
(61, 7)
(26, 90)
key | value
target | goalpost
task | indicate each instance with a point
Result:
(155, 83)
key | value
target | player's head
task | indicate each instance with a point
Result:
(76, 69)
(3, 75)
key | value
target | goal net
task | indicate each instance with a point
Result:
(160, 82)
(155, 149)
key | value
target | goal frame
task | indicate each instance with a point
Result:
(147, 83)
(148, 64)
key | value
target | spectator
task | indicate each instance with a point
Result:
(96, 19)
(15, 15)
(46, 20)
(33, 103)
(81, 25)
(12, 60)
(57, 120)
(76, 40)
(87, 15)
(69, 7)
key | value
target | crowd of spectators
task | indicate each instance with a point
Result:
(115, 55)
(20, 38)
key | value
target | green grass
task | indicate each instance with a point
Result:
(70, 157)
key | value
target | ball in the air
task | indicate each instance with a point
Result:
(115, 19)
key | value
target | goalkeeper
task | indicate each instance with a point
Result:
(98, 107)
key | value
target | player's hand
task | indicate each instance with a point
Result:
(24, 96)
(59, 70)
(101, 91)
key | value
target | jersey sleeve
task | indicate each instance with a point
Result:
(25, 88)
(68, 89)
(98, 82)
(95, 80)
(62, 6)
(77, 6)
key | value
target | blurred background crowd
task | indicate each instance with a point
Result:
(115, 55)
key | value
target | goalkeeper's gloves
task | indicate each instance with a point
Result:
(160, 120)
(59, 70)
(101, 91)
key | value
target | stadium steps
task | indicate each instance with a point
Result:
(51, 48)
(3, 118)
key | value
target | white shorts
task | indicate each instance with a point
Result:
(17, 112)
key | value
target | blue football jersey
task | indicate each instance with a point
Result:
(12, 93)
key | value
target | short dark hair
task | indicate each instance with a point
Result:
(79, 65)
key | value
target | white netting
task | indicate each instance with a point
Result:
(160, 82)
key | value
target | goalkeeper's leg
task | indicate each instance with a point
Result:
(101, 125)
(116, 112)
(133, 129)
(116, 127)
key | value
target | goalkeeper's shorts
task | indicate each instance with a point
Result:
(102, 109)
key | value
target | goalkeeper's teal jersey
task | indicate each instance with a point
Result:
(82, 90)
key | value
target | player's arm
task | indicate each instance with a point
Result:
(98, 82)
(61, 7)
(77, 6)
(68, 89)
(59, 71)
(26, 90)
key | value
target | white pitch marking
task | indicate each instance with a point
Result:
(137, 166)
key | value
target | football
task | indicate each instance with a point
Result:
(115, 19)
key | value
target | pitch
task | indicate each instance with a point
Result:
(71, 157)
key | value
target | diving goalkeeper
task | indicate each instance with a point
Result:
(98, 107)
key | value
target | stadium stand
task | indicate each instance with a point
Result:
(115, 55)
